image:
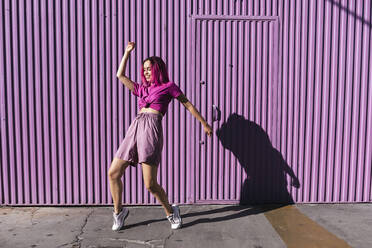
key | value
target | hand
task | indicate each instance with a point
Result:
(131, 45)
(295, 183)
(208, 130)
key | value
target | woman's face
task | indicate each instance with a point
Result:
(147, 70)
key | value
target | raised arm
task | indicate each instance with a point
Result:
(188, 105)
(123, 64)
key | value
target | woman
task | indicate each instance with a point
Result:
(143, 141)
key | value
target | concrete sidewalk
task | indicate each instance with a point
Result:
(204, 226)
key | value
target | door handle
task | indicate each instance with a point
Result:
(216, 113)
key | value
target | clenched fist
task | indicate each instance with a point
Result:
(131, 45)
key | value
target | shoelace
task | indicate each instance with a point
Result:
(171, 219)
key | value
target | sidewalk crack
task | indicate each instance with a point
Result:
(168, 237)
(140, 242)
(32, 216)
(77, 241)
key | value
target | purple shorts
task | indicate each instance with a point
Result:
(143, 141)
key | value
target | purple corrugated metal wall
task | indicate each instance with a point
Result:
(63, 111)
(325, 99)
(219, 66)
(300, 96)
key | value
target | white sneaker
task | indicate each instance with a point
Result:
(119, 219)
(175, 218)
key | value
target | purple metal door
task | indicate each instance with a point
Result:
(235, 72)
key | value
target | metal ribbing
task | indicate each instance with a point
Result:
(325, 105)
(221, 79)
(63, 112)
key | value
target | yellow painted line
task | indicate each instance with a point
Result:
(298, 230)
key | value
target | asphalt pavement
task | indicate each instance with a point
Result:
(301, 225)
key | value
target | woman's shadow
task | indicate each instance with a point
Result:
(264, 166)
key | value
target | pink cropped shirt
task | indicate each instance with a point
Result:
(156, 97)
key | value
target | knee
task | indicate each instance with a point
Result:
(152, 186)
(113, 174)
(116, 171)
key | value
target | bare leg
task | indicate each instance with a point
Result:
(150, 178)
(115, 173)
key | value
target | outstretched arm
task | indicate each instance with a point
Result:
(123, 64)
(188, 105)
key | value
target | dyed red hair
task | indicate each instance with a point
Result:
(159, 72)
